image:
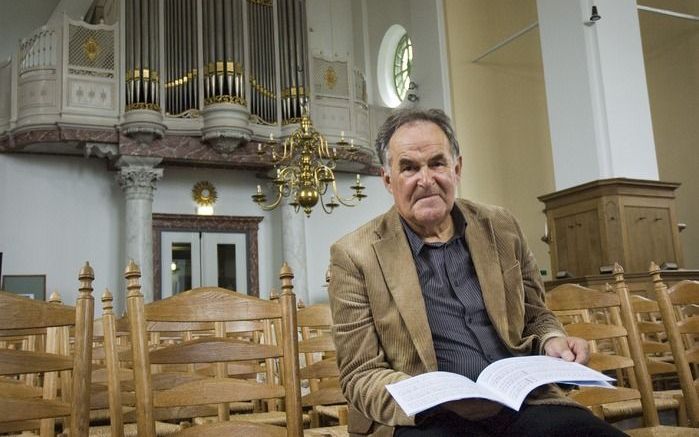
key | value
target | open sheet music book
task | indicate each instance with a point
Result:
(506, 381)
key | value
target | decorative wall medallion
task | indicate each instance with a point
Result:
(204, 193)
(330, 78)
(91, 49)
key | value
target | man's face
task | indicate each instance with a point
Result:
(423, 175)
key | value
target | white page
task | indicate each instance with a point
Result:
(514, 378)
(413, 397)
(506, 381)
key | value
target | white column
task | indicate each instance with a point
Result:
(599, 113)
(138, 177)
(294, 248)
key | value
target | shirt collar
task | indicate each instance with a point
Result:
(416, 242)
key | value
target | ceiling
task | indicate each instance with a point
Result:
(19, 18)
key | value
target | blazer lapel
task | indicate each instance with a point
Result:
(398, 268)
(481, 245)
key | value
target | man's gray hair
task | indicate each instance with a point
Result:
(409, 115)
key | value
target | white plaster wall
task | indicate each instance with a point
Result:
(625, 92)
(596, 91)
(19, 19)
(430, 58)
(58, 212)
(421, 20)
(322, 229)
(571, 108)
(55, 214)
(234, 188)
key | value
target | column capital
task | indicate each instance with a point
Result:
(137, 176)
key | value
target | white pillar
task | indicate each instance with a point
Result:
(138, 177)
(294, 248)
(599, 113)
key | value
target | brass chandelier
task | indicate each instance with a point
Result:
(304, 166)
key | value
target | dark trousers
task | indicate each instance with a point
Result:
(531, 420)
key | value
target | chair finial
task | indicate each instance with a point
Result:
(618, 269)
(654, 272)
(86, 276)
(107, 300)
(653, 268)
(133, 276)
(286, 276)
(55, 297)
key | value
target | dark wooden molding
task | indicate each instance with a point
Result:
(212, 223)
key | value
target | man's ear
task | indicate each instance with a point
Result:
(386, 178)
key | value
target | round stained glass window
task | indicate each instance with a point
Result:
(402, 66)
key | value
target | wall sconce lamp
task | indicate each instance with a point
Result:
(412, 92)
(204, 195)
(594, 17)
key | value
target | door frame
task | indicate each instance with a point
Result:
(247, 225)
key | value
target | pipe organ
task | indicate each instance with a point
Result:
(231, 62)
(211, 74)
(181, 58)
(142, 72)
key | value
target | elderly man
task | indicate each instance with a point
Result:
(438, 283)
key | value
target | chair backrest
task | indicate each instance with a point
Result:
(320, 369)
(115, 373)
(217, 306)
(681, 332)
(653, 337)
(620, 328)
(19, 313)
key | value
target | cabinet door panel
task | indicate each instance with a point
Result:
(578, 243)
(649, 237)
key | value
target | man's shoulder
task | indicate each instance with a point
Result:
(368, 232)
(485, 210)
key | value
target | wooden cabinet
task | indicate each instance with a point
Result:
(629, 221)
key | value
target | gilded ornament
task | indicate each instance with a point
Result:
(91, 49)
(330, 78)
(204, 193)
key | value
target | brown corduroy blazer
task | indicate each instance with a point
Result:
(380, 323)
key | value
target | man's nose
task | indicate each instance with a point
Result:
(425, 176)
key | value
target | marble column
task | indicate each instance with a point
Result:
(137, 177)
(294, 249)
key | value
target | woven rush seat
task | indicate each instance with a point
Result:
(327, 431)
(624, 409)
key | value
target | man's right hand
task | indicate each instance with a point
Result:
(473, 409)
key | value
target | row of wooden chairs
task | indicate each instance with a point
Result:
(632, 346)
(176, 367)
(170, 367)
(42, 396)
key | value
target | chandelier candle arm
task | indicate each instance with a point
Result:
(304, 165)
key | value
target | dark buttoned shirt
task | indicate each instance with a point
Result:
(465, 340)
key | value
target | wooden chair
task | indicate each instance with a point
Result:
(621, 329)
(218, 306)
(19, 406)
(325, 398)
(569, 297)
(681, 330)
(659, 360)
(117, 373)
(24, 385)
